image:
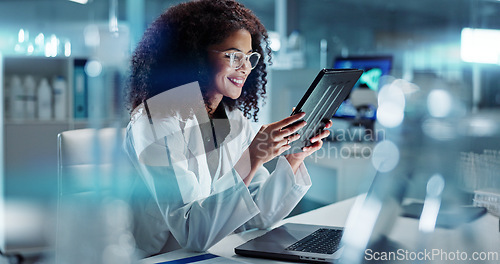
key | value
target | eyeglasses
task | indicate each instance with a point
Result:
(237, 58)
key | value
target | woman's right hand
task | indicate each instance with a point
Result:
(273, 139)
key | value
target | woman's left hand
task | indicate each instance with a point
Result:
(297, 158)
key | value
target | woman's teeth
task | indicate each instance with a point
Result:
(237, 81)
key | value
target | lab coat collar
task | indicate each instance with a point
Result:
(192, 132)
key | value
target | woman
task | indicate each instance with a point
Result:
(196, 77)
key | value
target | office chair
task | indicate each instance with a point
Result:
(94, 181)
(91, 159)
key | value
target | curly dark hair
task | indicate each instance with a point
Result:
(173, 52)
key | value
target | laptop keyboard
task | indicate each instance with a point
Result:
(323, 241)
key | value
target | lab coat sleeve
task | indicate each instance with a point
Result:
(276, 194)
(196, 220)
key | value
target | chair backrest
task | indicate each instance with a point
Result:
(92, 160)
(95, 179)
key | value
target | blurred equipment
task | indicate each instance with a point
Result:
(489, 199)
(360, 108)
(365, 102)
(479, 160)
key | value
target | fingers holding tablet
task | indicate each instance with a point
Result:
(289, 139)
(273, 139)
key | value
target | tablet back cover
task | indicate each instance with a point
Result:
(325, 95)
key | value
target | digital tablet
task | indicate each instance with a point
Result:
(328, 90)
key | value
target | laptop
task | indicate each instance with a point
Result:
(296, 242)
(370, 215)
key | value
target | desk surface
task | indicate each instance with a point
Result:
(481, 235)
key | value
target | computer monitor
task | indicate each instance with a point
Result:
(374, 67)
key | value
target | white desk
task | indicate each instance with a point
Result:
(404, 231)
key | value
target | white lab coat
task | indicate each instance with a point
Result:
(185, 203)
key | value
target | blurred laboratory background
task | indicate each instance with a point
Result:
(428, 103)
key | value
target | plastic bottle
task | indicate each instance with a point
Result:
(44, 96)
(17, 102)
(30, 96)
(59, 85)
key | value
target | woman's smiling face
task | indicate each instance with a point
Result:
(228, 81)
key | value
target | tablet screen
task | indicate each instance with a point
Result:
(328, 90)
